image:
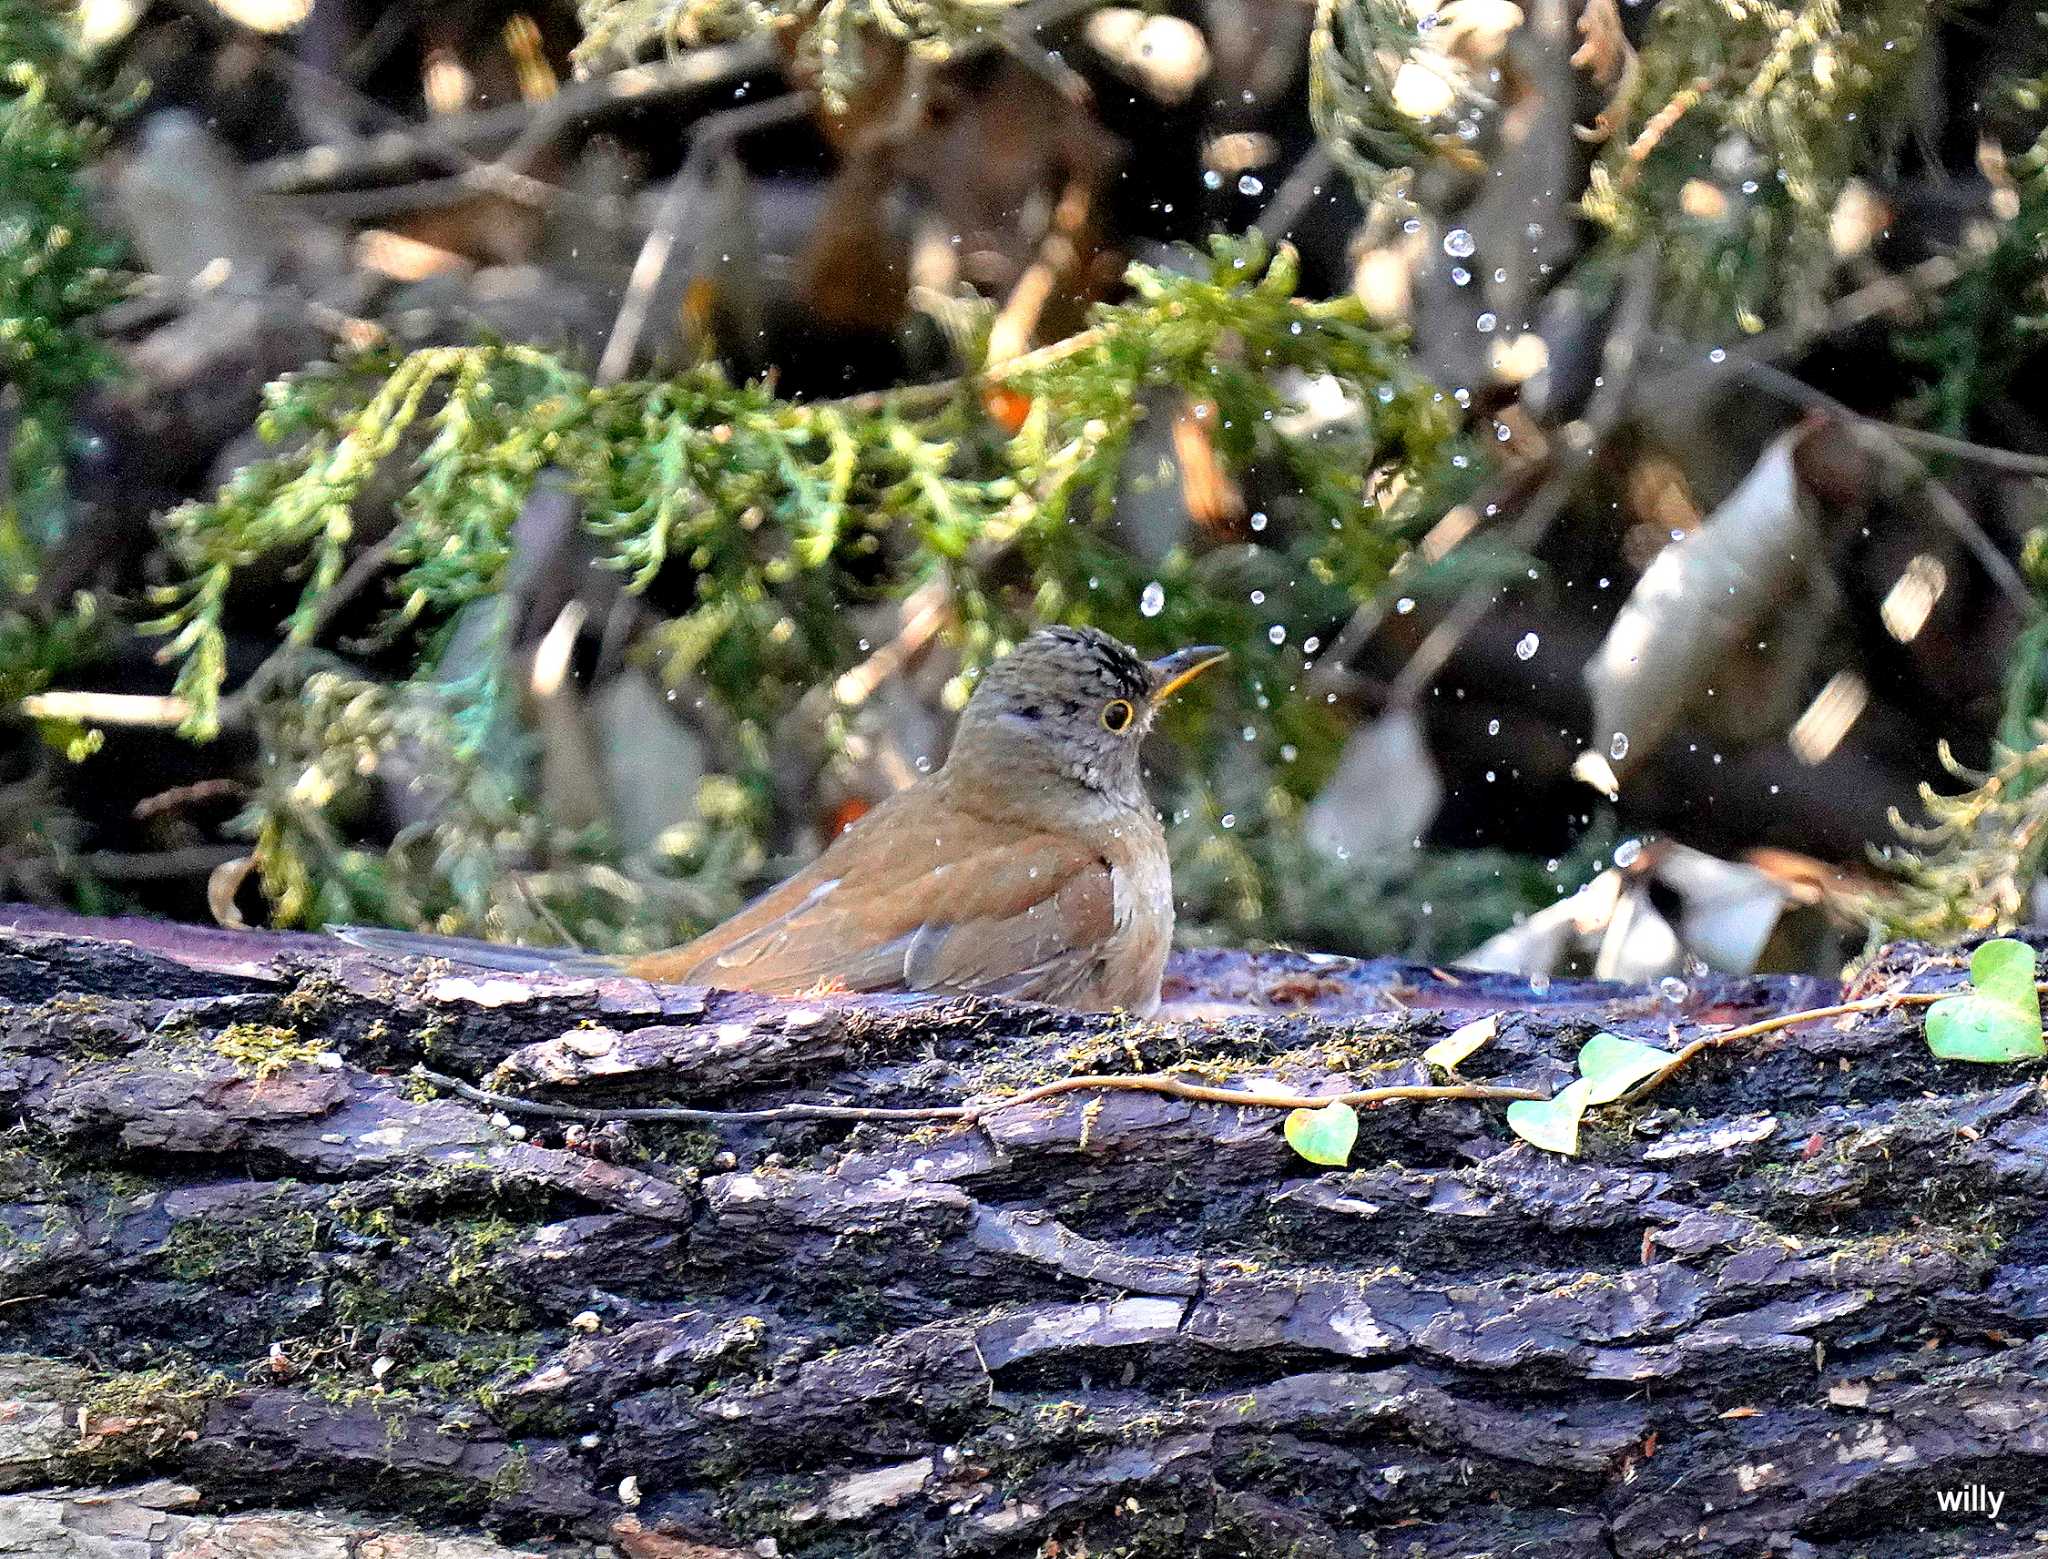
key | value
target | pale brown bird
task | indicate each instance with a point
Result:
(1030, 865)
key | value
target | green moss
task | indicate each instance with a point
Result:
(261, 1050)
(461, 1292)
(514, 1474)
(243, 1253)
(140, 1418)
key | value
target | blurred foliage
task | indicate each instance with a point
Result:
(749, 525)
(1978, 340)
(1976, 863)
(1733, 136)
(1356, 56)
(55, 271)
(778, 514)
(831, 39)
(1730, 135)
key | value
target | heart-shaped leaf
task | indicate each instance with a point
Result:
(1612, 1065)
(1452, 1050)
(1323, 1136)
(2000, 1018)
(1552, 1124)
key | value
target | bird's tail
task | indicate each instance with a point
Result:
(475, 954)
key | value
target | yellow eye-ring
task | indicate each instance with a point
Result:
(1118, 714)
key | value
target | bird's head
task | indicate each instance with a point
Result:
(1069, 706)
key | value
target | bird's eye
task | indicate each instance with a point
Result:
(1118, 714)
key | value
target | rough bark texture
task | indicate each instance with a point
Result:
(263, 1293)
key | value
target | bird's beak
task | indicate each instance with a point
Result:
(1173, 672)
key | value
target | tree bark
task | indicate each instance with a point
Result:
(264, 1290)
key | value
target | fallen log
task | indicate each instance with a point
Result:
(267, 1288)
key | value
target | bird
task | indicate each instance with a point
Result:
(1030, 865)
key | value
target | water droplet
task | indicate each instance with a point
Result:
(1258, 519)
(1459, 245)
(1153, 601)
(1618, 748)
(1276, 634)
(1493, 728)
(1229, 820)
(1460, 277)
(1526, 646)
(1486, 322)
(1212, 180)
(1628, 852)
(1673, 989)
(1249, 184)
(1405, 605)
(1539, 985)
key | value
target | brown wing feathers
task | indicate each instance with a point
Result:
(949, 902)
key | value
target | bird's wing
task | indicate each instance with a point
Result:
(948, 902)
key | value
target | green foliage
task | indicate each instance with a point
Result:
(55, 271)
(1973, 865)
(1323, 1136)
(1772, 105)
(1551, 1124)
(764, 518)
(1356, 54)
(1613, 1065)
(1999, 1019)
(1609, 1066)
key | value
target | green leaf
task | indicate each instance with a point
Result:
(1552, 1124)
(1612, 1066)
(1454, 1048)
(1323, 1136)
(1998, 1020)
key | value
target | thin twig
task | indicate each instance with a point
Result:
(158, 865)
(150, 710)
(525, 128)
(909, 396)
(1290, 202)
(1169, 1087)
(1770, 376)
(709, 137)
